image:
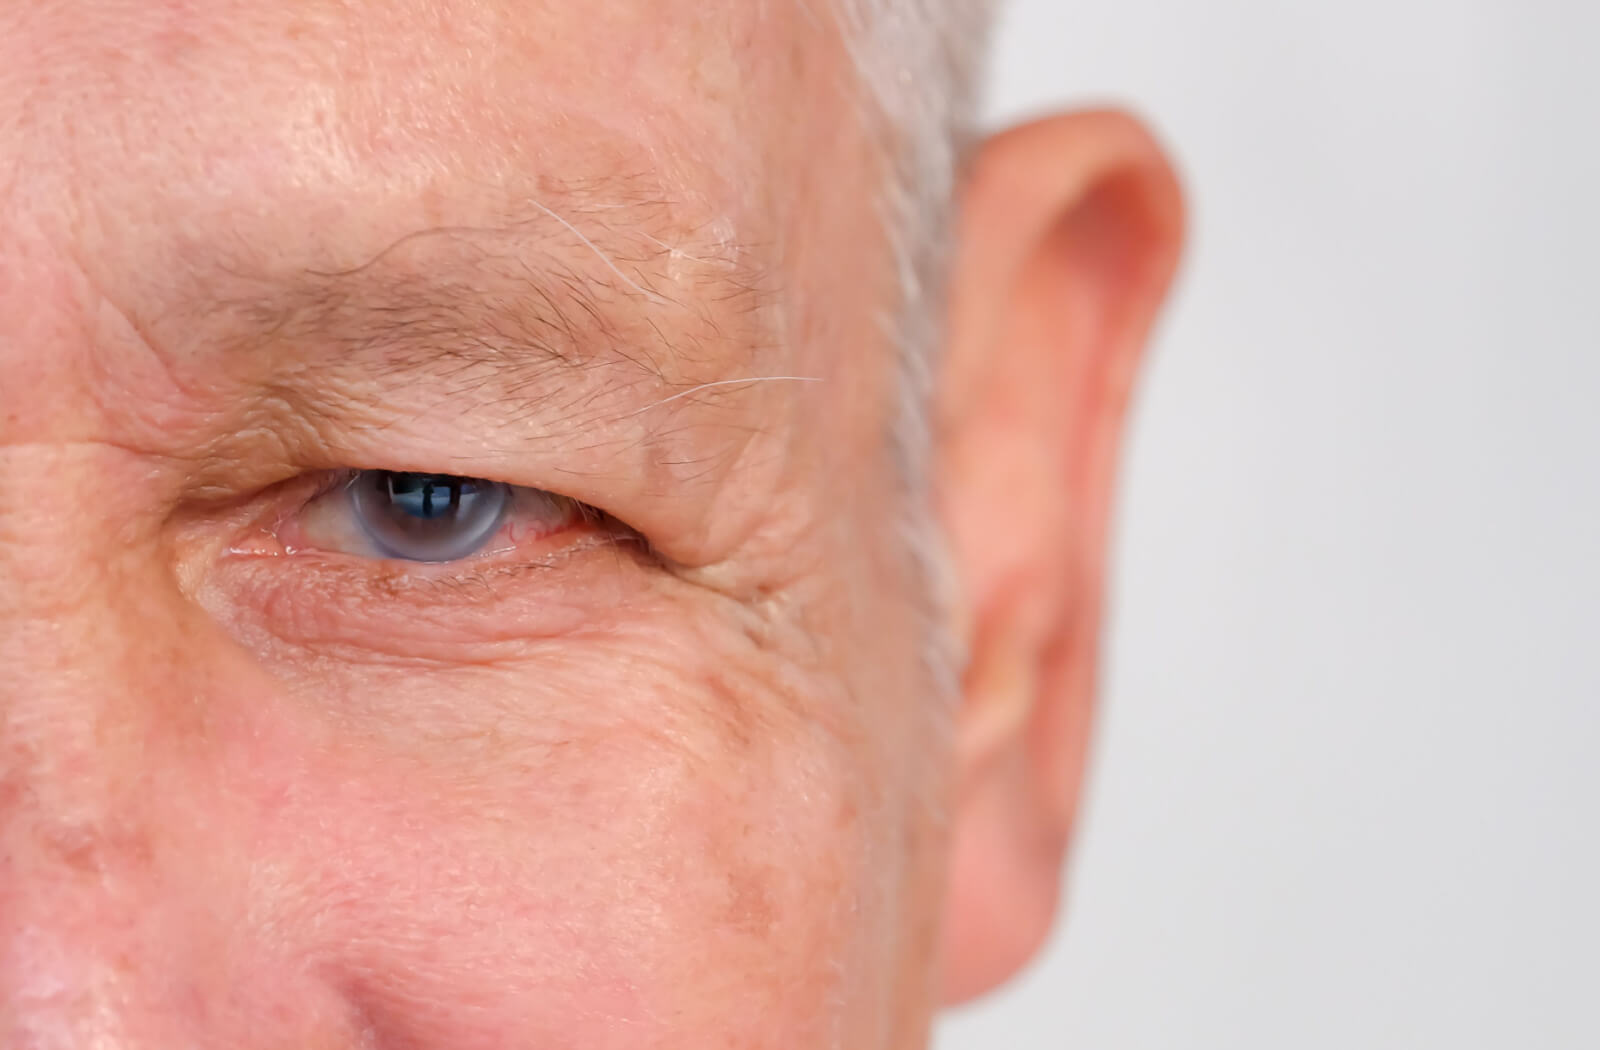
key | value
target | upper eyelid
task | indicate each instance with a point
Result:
(344, 481)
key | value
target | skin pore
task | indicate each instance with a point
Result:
(667, 772)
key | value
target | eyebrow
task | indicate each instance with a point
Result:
(590, 321)
(547, 289)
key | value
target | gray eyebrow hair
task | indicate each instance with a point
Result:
(530, 292)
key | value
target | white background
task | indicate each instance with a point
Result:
(1347, 789)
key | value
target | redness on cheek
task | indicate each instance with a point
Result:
(428, 909)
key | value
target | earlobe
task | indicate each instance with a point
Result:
(1069, 236)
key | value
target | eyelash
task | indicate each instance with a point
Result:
(288, 532)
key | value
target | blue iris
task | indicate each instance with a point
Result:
(428, 517)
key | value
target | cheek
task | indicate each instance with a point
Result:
(596, 849)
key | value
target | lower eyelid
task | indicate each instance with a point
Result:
(473, 610)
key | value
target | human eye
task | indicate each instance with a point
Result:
(412, 564)
(427, 518)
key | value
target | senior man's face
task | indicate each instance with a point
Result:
(455, 585)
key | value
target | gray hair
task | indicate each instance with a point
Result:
(920, 63)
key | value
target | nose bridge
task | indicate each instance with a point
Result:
(70, 716)
(74, 884)
(81, 593)
(77, 731)
(89, 631)
(86, 778)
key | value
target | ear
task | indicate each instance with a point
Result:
(1069, 235)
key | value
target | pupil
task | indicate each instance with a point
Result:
(428, 496)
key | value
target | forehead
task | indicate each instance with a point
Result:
(407, 113)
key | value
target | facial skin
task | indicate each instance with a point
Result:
(670, 774)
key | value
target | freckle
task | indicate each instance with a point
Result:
(10, 793)
(432, 206)
(750, 906)
(849, 813)
(92, 851)
(390, 585)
